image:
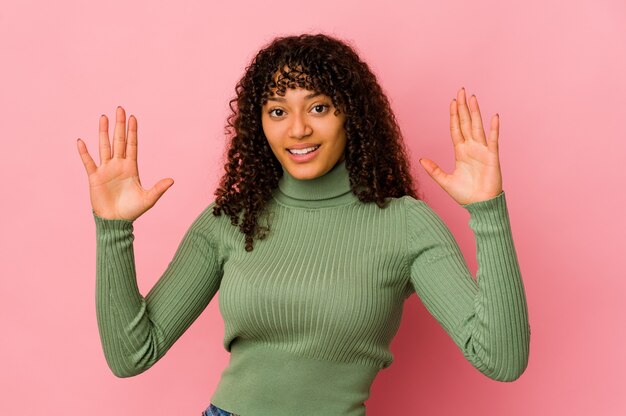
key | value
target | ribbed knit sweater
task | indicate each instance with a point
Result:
(310, 313)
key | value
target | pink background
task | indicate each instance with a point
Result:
(554, 71)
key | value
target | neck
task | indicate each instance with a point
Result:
(330, 189)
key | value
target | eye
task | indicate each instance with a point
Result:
(323, 107)
(275, 109)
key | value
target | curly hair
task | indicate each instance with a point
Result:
(375, 153)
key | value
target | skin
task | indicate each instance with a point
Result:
(116, 192)
(114, 186)
(477, 175)
(299, 119)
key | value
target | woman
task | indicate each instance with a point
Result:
(323, 241)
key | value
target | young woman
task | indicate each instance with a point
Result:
(314, 241)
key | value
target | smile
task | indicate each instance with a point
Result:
(303, 151)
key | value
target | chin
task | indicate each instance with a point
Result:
(305, 171)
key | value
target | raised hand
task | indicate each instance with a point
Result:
(476, 175)
(114, 186)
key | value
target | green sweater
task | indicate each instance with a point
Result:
(310, 313)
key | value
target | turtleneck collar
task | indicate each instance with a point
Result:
(328, 190)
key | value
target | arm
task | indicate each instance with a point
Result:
(486, 318)
(135, 331)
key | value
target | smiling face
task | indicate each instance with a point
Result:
(304, 119)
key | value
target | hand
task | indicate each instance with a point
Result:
(476, 175)
(114, 186)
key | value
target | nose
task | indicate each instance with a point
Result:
(299, 127)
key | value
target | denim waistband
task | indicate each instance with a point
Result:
(213, 410)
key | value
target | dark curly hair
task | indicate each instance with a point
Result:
(375, 154)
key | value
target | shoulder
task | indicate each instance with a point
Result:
(420, 214)
(208, 224)
(206, 215)
(416, 207)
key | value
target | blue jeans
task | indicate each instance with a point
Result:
(213, 410)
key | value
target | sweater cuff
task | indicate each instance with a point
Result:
(486, 204)
(492, 210)
(105, 224)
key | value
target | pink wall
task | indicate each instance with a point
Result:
(554, 71)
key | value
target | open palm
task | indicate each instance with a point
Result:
(477, 176)
(114, 186)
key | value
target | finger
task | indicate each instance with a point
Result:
(435, 172)
(494, 133)
(159, 189)
(464, 115)
(103, 141)
(119, 135)
(477, 123)
(455, 128)
(131, 145)
(90, 165)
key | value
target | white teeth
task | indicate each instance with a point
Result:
(302, 151)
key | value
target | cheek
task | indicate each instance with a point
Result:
(273, 140)
(269, 133)
(272, 145)
(340, 134)
(271, 129)
(338, 125)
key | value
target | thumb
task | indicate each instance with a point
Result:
(159, 189)
(434, 171)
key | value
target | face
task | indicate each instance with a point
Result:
(302, 120)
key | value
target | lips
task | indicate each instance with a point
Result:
(313, 149)
(303, 146)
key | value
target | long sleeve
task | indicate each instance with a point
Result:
(487, 318)
(135, 331)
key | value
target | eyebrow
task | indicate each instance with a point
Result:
(313, 94)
